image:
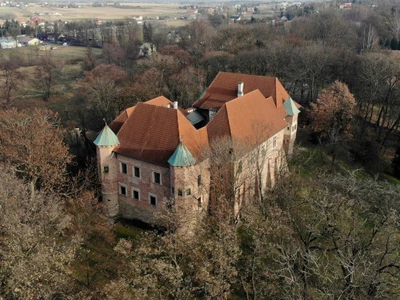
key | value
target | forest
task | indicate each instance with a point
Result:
(328, 229)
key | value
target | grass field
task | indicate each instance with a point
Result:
(151, 11)
(67, 55)
(70, 60)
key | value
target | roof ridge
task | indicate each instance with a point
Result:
(245, 95)
(243, 74)
(178, 124)
(127, 116)
(228, 119)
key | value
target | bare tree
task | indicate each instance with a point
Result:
(332, 115)
(11, 81)
(369, 38)
(32, 142)
(36, 245)
(347, 238)
(103, 87)
(45, 75)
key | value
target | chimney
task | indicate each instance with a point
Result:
(240, 89)
(175, 104)
(168, 105)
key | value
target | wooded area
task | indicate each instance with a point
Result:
(329, 228)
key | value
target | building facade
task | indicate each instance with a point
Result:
(231, 143)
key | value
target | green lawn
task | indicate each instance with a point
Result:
(67, 55)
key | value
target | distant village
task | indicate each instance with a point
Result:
(42, 28)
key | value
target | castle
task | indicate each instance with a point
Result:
(156, 155)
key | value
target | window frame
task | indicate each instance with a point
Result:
(155, 197)
(199, 202)
(123, 167)
(154, 177)
(134, 168)
(120, 186)
(133, 189)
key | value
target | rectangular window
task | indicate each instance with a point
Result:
(135, 194)
(188, 192)
(153, 199)
(106, 169)
(199, 202)
(122, 189)
(274, 143)
(180, 193)
(156, 177)
(123, 168)
(294, 127)
(199, 183)
(136, 172)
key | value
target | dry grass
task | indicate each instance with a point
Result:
(70, 59)
(148, 10)
(67, 55)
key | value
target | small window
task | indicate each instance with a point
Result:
(199, 202)
(199, 183)
(274, 143)
(172, 190)
(188, 192)
(180, 193)
(136, 172)
(106, 169)
(135, 194)
(124, 168)
(157, 177)
(294, 127)
(153, 200)
(122, 189)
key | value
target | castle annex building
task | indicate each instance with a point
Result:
(155, 155)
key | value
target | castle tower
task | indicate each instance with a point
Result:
(108, 169)
(291, 130)
(187, 179)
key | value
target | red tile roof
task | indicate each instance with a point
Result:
(151, 131)
(250, 118)
(120, 120)
(224, 88)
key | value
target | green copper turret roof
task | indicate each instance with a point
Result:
(106, 138)
(290, 107)
(181, 157)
